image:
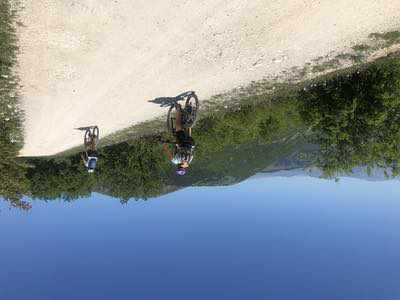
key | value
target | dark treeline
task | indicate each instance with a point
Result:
(352, 118)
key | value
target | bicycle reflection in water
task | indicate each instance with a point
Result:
(180, 121)
(90, 140)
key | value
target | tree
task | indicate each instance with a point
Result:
(354, 117)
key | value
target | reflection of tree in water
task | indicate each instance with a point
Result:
(355, 118)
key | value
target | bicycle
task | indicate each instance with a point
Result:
(180, 128)
(91, 136)
(188, 112)
(90, 140)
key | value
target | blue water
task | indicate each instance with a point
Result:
(268, 238)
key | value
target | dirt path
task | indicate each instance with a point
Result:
(99, 61)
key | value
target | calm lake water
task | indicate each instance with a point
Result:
(266, 238)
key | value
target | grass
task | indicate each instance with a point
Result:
(389, 38)
(361, 47)
(326, 65)
(359, 53)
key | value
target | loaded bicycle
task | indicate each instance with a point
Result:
(90, 141)
(180, 120)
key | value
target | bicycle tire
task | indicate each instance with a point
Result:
(96, 133)
(170, 119)
(87, 137)
(195, 108)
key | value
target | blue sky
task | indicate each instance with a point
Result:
(269, 238)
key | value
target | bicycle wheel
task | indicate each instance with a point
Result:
(87, 138)
(96, 134)
(191, 108)
(171, 119)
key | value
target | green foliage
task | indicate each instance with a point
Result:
(355, 118)
(235, 144)
(361, 47)
(13, 183)
(133, 170)
(264, 123)
(59, 178)
(126, 170)
(389, 38)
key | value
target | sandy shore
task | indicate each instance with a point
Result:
(99, 61)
